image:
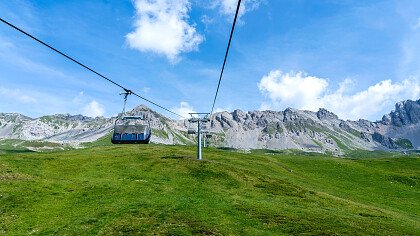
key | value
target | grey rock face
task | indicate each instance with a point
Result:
(239, 115)
(406, 113)
(366, 137)
(305, 130)
(386, 119)
(325, 114)
(311, 131)
(385, 141)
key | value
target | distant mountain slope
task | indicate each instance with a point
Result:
(289, 129)
(320, 131)
(403, 122)
(62, 127)
(78, 128)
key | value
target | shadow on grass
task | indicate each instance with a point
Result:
(177, 157)
(227, 148)
(7, 151)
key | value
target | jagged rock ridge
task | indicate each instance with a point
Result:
(306, 130)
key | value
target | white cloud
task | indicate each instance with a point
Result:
(301, 91)
(16, 94)
(94, 109)
(184, 109)
(296, 90)
(221, 109)
(161, 26)
(206, 20)
(228, 7)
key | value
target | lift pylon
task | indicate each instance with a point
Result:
(199, 120)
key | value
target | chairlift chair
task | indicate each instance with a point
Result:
(205, 129)
(131, 129)
(191, 131)
(207, 133)
(191, 126)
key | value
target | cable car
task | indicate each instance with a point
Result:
(131, 129)
(127, 130)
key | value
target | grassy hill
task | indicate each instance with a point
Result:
(155, 189)
(21, 146)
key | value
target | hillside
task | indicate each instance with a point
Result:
(157, 189)
(320, 131)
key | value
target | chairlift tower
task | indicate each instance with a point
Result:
(199, 120)
(205, 136)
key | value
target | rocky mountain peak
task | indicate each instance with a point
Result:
(405, 113)
(325, 114)
(143, 110)
(141, 107)
(290, 114)
(13, 116)
(155, 119)
(238, 115)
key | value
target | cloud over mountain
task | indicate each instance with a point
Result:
(184, 109)
(94, 109)
(302, 91)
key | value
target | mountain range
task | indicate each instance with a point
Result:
(320, 131)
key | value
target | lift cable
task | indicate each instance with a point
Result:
(88, 68)
(227, 51)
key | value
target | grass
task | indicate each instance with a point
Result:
(339, 143)
(404, 143)
(163, 190)
(353, 132)
(103, 141)
(305, 125)
(17, 146)
(318, 143)
(160, 133)
(182, 138)
(273, 128)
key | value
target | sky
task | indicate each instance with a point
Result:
(354, 58)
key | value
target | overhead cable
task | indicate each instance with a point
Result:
(88, 68)
(226, 54)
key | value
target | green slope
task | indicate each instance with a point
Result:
(21, 146)
(163, 190)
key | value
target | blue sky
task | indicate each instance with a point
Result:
(355, 58)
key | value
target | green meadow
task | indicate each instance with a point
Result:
(163, 190)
